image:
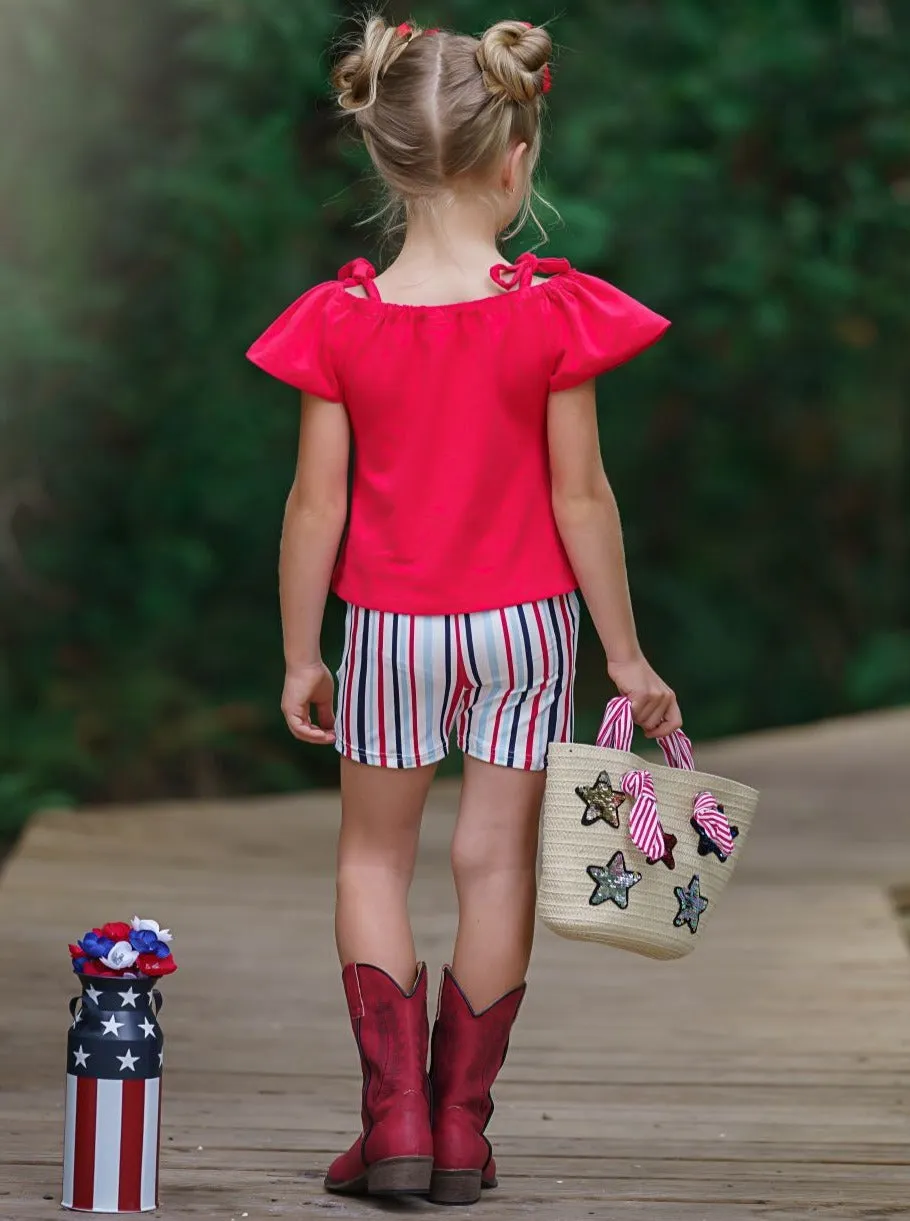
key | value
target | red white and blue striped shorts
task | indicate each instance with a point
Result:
(503, 679)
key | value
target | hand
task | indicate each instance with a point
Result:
(303, 686)
(654, 705)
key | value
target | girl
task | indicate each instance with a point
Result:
(479, 504)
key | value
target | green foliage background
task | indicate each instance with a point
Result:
(173, 174)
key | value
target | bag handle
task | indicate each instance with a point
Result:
(617, 728)
(616, 731)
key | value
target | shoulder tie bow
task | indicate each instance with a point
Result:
(358, 271)
(523, 270)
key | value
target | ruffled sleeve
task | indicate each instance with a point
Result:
(595, 328)
(296, 348)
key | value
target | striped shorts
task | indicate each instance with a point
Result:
(503, 679)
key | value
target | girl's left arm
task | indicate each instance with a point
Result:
(314, 521)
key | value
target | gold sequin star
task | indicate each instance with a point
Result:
(601, 800)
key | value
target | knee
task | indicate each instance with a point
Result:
(476, 859)
(467, 863)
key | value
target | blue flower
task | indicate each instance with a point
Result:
(144, 940)
(96, 946)
(79, 963)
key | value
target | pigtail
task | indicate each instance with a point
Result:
(357, 74)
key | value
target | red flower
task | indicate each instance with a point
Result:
(119, 931)
(76, 951)
(151, 964)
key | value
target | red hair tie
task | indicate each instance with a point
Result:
(405, 30)
(546, 83)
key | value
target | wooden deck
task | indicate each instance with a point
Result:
(768, 1076)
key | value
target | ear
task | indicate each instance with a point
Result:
(514, 168)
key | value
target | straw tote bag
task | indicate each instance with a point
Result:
(634, 855)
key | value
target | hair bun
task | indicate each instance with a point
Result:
(512, 56)
(358, 73)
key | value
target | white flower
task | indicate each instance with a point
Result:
(163, 934)
(122, 955)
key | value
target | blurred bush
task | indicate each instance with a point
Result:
(174, 176)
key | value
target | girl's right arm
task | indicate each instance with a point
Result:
(314, 521)
(588, 520)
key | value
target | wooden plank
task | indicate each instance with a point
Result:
(766, 1077)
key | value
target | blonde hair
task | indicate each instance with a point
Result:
(438, 109)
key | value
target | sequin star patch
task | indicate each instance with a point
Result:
(601, 800)
(612, 881)
(670, 842)
(706, 845)
(691, 904)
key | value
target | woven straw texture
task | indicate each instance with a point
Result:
(646, 925)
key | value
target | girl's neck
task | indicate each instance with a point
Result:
(459, 232)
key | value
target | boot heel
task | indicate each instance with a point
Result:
(400, 1176)
(455, 1186)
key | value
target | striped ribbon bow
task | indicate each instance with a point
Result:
(644, 822)
(712, 820)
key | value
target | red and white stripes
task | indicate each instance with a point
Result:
(712, 820)
(111, 1136)
(616, 732)
(644, 823)
(617, 727)
(677, 750)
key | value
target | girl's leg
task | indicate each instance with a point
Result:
(494, 861)
(381, 810)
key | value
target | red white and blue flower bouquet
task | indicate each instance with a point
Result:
(125, 951)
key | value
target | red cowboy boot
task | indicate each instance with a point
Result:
(394, 1154)
(468, 1051)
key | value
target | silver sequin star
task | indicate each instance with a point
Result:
(691, 904)
(601, 800)
(613, 880)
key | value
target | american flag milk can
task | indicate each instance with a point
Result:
(114, 1058)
